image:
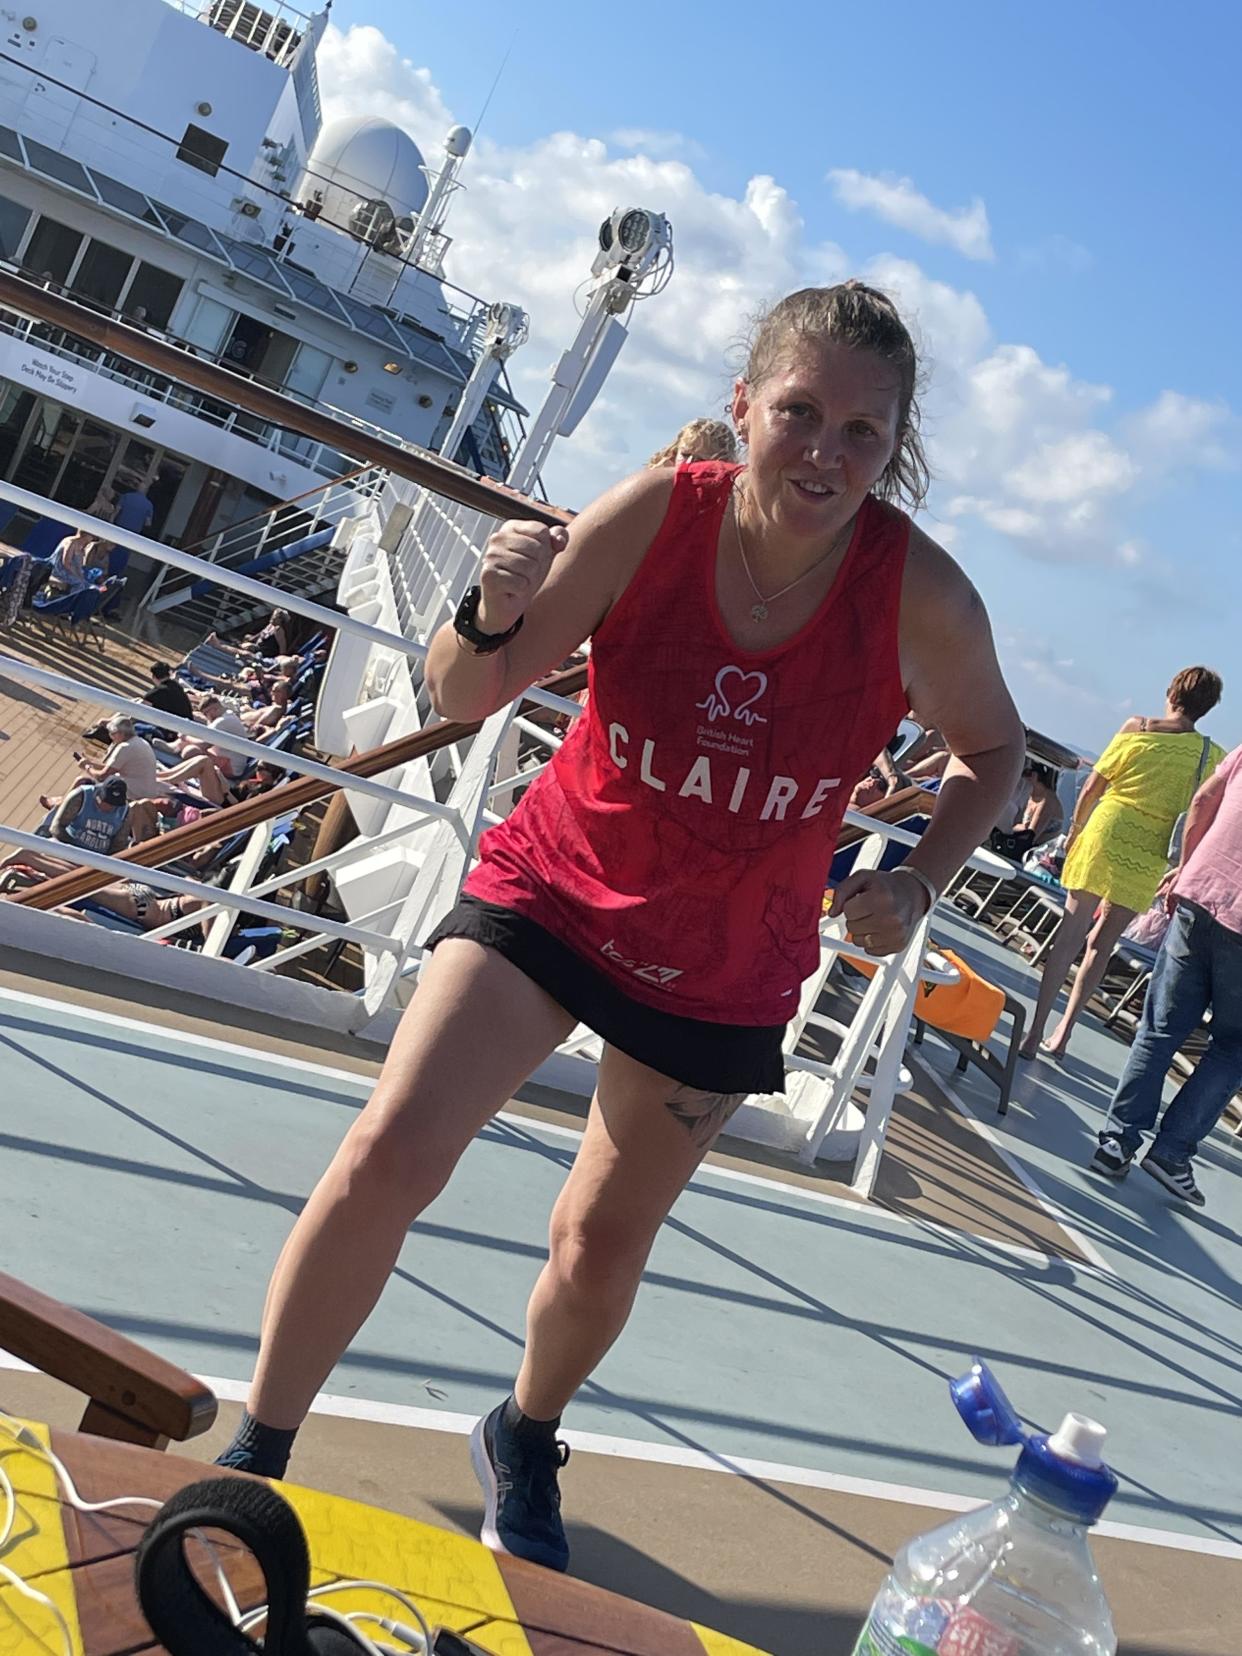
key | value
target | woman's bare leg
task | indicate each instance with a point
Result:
(1100, 945)
(645, 1136)
(1075, 923)
(475, 1030)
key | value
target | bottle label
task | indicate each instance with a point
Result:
(970, 1634)
(958, 1632)
(876, 1640)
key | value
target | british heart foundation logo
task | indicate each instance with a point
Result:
(734, 694)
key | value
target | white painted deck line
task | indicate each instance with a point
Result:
(657, 1454)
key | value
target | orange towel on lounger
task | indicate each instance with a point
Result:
(971, 1007)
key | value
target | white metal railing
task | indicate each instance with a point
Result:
(165, 879)
(272, 532)
(316, 457)
(435, 560)
(272, 27)
(448, 828)
(60, 684)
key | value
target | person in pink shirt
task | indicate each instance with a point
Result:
(1199, 966)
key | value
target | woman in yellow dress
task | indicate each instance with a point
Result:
(1117, 849)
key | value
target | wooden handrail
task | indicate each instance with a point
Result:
(894, 808)
(479, 494)
(292, 795)
(134, 1395)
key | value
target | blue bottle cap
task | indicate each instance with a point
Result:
(1063, 1470)
(982, 1404)
(1078, 1490)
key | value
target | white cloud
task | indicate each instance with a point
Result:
(1073, 471)
(898, 202)
(1073, 688)
(675, 144)
(1177, 430)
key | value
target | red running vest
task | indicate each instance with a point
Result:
(680, 839)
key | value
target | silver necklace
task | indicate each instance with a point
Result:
(759, 611)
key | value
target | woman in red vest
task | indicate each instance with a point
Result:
(757, 633)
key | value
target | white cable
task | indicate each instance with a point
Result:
(421, 1639)
(27, 1591)
(27, 1439)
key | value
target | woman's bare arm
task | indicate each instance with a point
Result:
(955, 683)
(562, 592)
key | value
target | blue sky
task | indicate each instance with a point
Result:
(1096, 277)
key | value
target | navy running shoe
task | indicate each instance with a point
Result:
(517, 1470)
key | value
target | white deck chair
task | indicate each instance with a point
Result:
(820, 1095)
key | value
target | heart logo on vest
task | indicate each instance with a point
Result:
(744, 688)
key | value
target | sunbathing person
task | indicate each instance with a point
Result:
(144, 904)
(269, 642)
(94, 818)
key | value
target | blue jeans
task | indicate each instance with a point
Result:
(1199, 965)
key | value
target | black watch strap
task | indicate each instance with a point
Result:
(464, 627)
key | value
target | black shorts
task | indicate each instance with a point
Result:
(717, 1057)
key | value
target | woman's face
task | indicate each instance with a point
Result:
(819, 430)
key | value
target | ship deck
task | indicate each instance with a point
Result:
(40, 729)
(775, 1420)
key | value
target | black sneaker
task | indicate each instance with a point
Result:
(517, 1471)
(1179, 1180)
(1110, 1159)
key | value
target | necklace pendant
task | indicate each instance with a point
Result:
(759, 612)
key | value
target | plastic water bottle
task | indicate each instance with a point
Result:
(1015, 1578)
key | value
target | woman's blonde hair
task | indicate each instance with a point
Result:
(699, 440)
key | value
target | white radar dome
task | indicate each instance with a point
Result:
(365, 162)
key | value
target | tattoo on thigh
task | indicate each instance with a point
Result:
(702, 1114)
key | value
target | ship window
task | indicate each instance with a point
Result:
(102, 274)
(129, 201)
(188, 230)
(154, 291)
(52, 250)
(202, 149)
(254, 261)
(13, 222)
(368, 320)
(58, 166)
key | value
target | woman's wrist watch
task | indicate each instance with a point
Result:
(464, 625)
(933, 893)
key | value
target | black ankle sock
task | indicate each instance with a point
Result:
(516, 1421)
(259, 1448)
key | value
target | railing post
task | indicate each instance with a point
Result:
(248, 865)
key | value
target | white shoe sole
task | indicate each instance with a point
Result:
(1116, 1174)
(485, 1473)
(1162, 1178)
